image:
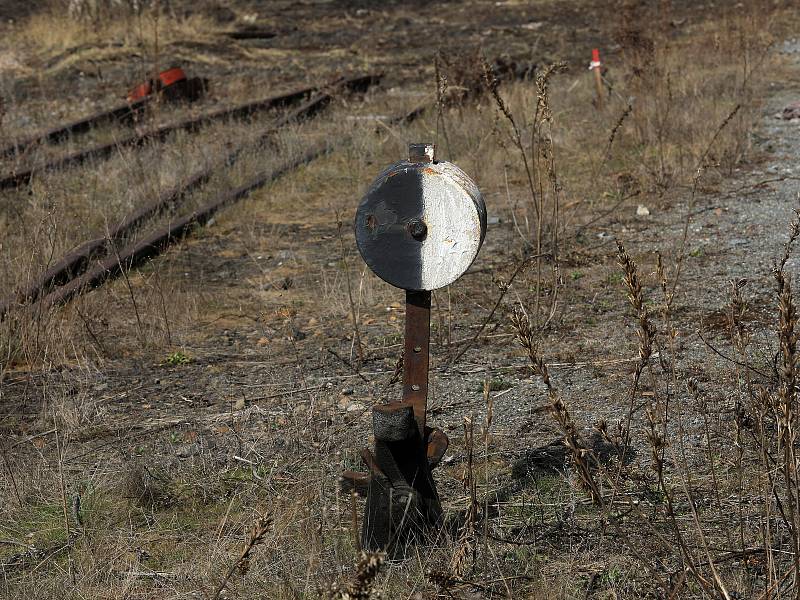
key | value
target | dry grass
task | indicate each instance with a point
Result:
(173, 462)
(62, 40)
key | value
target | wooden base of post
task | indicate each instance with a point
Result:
(402, 503)
(403, 506)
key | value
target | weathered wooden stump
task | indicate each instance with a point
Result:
(419, 227)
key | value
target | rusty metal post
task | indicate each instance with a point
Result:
(419, 227)
(416, 354)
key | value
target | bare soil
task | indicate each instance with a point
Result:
(267, 375)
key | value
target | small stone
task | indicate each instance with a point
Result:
(188, 450)
(642, 211)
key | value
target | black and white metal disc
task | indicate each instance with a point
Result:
(421, 223)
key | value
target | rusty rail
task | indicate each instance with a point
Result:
(251, 34)
(159, 133)
(189, 89)
(155, 243)
(76, 261)
(67, 272)
(122, 113)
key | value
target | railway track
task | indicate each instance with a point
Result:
(153, 244)
(74, 263)
(95, 261)
(18, 178)
(173, 85)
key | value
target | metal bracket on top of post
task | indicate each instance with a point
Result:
(419, 227)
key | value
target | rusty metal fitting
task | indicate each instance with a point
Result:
(421, 153)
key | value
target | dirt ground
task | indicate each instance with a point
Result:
(239, 389)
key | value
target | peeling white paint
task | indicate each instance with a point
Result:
(450, 205)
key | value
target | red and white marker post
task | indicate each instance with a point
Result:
(597, 67)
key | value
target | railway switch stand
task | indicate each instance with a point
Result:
(419, 227)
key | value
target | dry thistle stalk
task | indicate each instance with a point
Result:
(794, 232)
(242, 563)
(487, 426)
(397, 374)
(492, 85)
(360, 588)
(354, 310)
(611, 137)
(646, 333)
(465, 547)
(580, 451)
(616, 439)
(701, 403)
(647, 329)
(543, 90)
(661, 273)
(788, 343)
(657, 444)
(787, 411)
(737, 307)
(441, 95)
(618, 125)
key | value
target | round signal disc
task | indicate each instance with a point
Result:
(421, 224)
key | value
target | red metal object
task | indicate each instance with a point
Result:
(171, 76)
(140, 91)
(165, 79)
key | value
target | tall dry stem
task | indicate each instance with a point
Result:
(367, 569)
(581, 453)
(242, 563)
(787, 411)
